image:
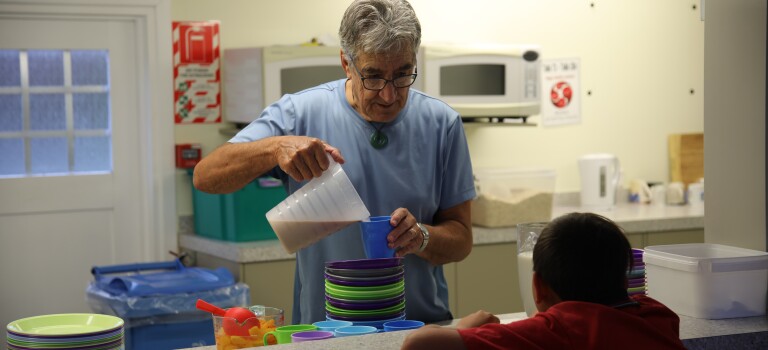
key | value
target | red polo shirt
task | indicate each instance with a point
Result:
(581, 325)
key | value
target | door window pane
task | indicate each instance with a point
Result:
(49, 155)
(12, 162)
(89, 67)
(10, 112)
(46, 112)
(91, 111)
(10, 71)
(92, 153)
(46, 68)
(55, 115)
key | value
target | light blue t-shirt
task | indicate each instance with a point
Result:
(425, 167)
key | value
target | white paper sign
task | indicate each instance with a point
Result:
(560, 89)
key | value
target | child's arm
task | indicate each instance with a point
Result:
(434, 337)
(477, 319)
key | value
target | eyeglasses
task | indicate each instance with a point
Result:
(378, 84)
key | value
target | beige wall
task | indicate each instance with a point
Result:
(640, 60)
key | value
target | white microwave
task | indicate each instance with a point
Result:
(484, 81)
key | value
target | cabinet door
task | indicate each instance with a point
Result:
(487, 279)
(449, 270)
(271, 284)
(636, 240)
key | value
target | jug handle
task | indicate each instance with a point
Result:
(616, 173)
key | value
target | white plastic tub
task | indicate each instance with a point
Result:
(710, 281)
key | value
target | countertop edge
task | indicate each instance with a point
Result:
(736, 333)
(632, 217)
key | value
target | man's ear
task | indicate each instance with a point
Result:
(345, 64)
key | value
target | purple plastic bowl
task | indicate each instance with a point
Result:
(299, 337)
(399, 273)
(365, 263)
(397, 298)
(379, 282)
(366, 306)
(635, 284)
(365, 273)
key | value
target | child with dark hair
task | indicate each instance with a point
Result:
(580, 265)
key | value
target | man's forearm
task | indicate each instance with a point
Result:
(233, 165)
(449, 242)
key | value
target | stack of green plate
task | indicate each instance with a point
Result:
(66, 332)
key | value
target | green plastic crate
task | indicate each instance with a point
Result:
(238, 216)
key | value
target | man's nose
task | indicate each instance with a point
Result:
(389, 92)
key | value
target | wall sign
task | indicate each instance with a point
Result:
(561, 103)
(196, 73)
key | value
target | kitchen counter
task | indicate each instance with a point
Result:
(632, 217)
(494, 248)
(738, 333)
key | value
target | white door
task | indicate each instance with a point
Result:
(54, 227)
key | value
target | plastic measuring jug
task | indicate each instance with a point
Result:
(323, 206)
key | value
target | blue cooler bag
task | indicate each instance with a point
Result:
(157, 301)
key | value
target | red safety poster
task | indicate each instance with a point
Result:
(196, 73)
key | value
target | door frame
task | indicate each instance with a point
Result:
(152, 20)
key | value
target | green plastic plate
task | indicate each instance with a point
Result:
(65, 324)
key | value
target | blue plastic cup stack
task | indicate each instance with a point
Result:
(636, 282)
(366, 292)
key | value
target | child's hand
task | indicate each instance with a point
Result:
(476, 319)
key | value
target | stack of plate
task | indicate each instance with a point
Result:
(66, 332)
(367, 292)
(636, 278)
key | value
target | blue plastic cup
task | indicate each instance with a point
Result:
(374, 235)
(331, 326)
(402, 325)
(354, 330)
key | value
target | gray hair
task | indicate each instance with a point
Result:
(379, 26)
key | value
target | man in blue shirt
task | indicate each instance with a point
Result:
(405, 153)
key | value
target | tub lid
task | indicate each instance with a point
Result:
(705, 257)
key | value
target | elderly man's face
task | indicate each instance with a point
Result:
(385, 104)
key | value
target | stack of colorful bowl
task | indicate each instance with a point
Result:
(636, 283)
(66, 332)
(366, 292)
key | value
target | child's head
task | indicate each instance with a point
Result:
(584, 257)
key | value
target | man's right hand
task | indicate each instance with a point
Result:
(233, 165)
(304, 158)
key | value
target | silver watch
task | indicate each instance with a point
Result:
(424, 237)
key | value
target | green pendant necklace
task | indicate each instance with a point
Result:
(378, 138)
